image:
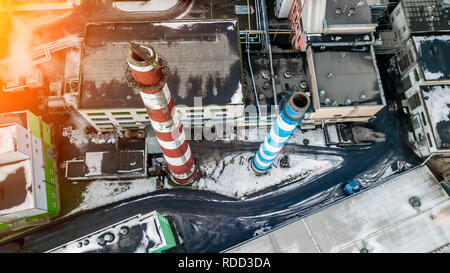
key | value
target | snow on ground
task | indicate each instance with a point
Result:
(232, 175)
(101, 193)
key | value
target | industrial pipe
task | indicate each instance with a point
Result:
(288, 119)
(149, 75)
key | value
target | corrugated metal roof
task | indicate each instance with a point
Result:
(379, 220)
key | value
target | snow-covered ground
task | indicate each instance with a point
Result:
(101, 193)
(227, 177)
(232, 175)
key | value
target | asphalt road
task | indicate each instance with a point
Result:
(209, 222)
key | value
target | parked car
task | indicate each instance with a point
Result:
(352, 187)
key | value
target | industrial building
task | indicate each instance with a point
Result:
(345, 85)
(205, 64)
(423, 61)
(28, 185)
(425, 79)
(332, 22)
(409, 213)
(420, 17)
(149, 233)
(424, 75)
(121, 164)
(428, 109)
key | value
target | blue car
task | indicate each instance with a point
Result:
(352, 187)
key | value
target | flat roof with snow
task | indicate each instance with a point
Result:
(108, 165)
(380, 220)
(16, 191)
(437, 103)
(434, 54)
(203, 56)
(7, 139)
(144, 236)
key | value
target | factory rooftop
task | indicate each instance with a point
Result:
(332, 15)
(20, 118)
(434, 53)
(290, 71)
(111, 164)
(203, 56)
(427, 15)
(352, 12)
(437, 102)
(16, 187)
(346, 77)
(380, 219)
(144, 235)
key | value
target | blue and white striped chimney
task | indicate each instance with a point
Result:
(289, 118)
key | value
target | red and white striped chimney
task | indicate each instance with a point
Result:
(150, 75)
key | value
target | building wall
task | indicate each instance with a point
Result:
(399, 23)
(22, 149)
(137, 118)
(298, 38)
(167, 232)
(345, 114)
(39, 174)
(423, 132)
(22, 214)
(36, 143)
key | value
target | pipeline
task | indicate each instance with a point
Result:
(292, 114)
(149, 73)
(268, 48)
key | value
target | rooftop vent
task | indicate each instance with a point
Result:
(348, 101)
(303, 84)
(351, 12)
(414, 201)
(288, 74)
